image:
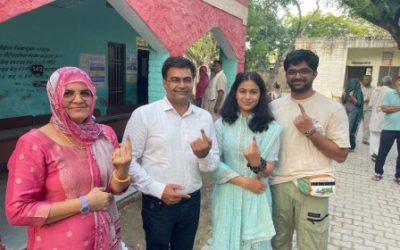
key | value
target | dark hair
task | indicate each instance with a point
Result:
(366, 76)
(218, 62)
(301, 55)
(262, 114)
(177, 62)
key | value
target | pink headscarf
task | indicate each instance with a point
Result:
(88, 131)
(203, 82)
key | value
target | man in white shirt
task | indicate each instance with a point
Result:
(377, 116)
(173, 141)
(315, 132)
(214, 95)
(366, 89)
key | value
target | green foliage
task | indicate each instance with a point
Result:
(266, 35)
(329, 25)
(204, 50)
(382, 13)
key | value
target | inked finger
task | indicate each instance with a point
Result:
(302, 109)
(204, 136)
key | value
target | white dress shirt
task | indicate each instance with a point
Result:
(161, 151)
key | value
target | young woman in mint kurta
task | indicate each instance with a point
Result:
(241, 201)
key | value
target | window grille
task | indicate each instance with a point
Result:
(116, 74)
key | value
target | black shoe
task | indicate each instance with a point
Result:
(366, 142)
(373, 157)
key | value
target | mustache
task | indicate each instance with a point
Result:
(298, 80)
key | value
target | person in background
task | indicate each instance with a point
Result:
(377, 116)
(248, 139)
(214, 95)
(201, 85)
(276, 92)
(366, 90)
(315, 132)
(63, 176)
(390, 132)
(174, 141)
(353, 101)
(2, 247)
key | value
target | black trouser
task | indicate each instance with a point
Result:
(170, 226)
(386, 142)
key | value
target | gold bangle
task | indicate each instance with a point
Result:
(119, 180)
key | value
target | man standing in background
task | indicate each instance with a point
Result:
(377, 116)
(390, 132)
(367, 91)
(214, 95)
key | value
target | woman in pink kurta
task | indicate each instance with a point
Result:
(62, 176)
(201, 84)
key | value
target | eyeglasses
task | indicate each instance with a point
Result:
(302, 72)
(177, 80)
(69, 95)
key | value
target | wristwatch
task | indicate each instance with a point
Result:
(85, 205)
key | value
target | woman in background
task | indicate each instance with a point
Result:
(62, 176)
(201, 85)
(248, 139)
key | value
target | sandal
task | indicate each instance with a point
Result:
(378, 177)
(397, 180)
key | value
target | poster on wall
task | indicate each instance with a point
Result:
(94, 65)
(131, 65)
(387, 58)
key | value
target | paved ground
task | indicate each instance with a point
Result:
(364, 214)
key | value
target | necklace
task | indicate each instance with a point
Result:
(80, 147)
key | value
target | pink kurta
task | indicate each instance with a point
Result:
(42, 172)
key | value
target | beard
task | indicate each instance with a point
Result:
(299, 89)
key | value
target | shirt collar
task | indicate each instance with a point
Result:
(167, 106)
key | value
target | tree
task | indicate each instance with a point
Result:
(266, 35)
(382, 13)
(204, 50)
(297, 32)
(329, 25)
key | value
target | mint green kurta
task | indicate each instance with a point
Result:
(241, 219)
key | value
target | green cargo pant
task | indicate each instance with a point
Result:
(293, 210)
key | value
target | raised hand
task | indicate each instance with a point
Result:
(121, 158)
(252, 154)
(303, 122)
(98, 199)
(170, 196)
(201, 146)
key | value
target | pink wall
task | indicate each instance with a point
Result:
(12, 8)
(195, 17)
(176, 31)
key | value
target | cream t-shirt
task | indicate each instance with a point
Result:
(298, 156)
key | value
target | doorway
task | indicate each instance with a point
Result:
(357, 72)
(143, 77)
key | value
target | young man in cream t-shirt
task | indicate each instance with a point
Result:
(315, 132)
